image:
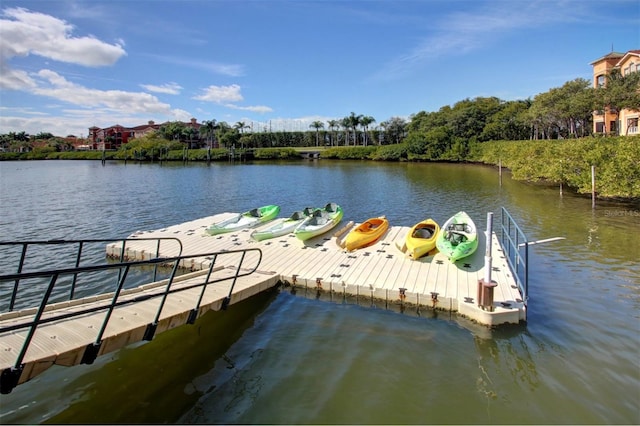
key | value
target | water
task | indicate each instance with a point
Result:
(280, 358)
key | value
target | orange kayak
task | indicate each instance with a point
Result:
(367, 233)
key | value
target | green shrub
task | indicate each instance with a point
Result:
(350, 152)
(276, 153)
(569, 161)
(397, 152)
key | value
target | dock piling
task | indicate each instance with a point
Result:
(485, 285)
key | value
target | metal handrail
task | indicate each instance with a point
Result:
(10, 376)
(513, 240)
(81, 244)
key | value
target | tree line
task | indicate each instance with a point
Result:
(449, 133)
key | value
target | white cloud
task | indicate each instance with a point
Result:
(76, 121)
(226, 95)
(14, 79)
(54, 85)
(258, 108)
(167, 88)
(70, 125)
(23, 32)
(181, 115)
(221, 94)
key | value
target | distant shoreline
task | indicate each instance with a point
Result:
(565, 163)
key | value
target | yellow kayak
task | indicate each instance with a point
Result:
(421, 239)
(367, 233)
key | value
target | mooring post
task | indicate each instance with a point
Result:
(593, 187)
(487, 252)
(485, 285)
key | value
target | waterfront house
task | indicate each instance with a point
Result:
(609, 120)
(113, 137)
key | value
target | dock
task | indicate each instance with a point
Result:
(78, 331)
(380, 271)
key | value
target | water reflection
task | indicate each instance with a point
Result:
(148, 382)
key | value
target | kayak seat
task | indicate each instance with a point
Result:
(318, 220)
(423, 233)
(254, 213)
(308, 211)
(459, 227)
(455, 237)
(298, 215)
(463, 230)
(331, 207)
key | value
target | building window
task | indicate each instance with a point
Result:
(627, 70)
(601, 80)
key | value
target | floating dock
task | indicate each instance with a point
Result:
(227, 268)
(380, 271)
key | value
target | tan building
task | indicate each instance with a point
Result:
(608, 120)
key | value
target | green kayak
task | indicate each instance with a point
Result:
(458, 237)
(283, 226)
(248, 219)
(321, 221)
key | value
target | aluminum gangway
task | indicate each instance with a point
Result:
(47, 315)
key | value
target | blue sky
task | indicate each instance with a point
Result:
(68, 65)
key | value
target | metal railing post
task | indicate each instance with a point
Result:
(36, 320)
(14, 293)
(91, 352)
(75, 276)
(519, 262)
(227, 300)
(194, 312)
(151, 328)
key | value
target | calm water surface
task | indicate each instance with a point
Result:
(283, 358)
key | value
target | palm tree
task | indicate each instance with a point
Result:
(189, 134)
(346, 124)
(333, 127)
(207, 130)
(220, 127)
(354, 121)
(364, 122)
(240, 126)
(317, 125)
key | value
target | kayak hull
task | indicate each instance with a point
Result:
(282, 226)
(458, 237)
(245, 220)
(367, 233)
(421, 238)
(322, 220)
